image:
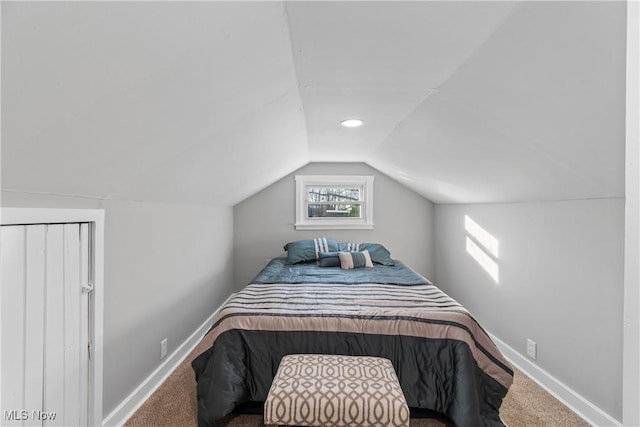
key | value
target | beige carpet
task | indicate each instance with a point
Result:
(174, 404)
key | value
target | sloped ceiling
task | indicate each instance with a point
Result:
(209, 102)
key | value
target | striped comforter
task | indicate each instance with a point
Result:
(444, 360)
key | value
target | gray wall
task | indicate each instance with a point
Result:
(167, 268)
(264, 222)
(178, 259)
(561, 284)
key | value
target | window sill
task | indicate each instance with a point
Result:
(361, 226)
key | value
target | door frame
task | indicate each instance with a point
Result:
(95, 219)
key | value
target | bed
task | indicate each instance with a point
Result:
(309, 304)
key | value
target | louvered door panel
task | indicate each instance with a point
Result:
(44, 325)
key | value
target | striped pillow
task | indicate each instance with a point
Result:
(378, 253)
(351, 260)
(308, 250)
(349, 247)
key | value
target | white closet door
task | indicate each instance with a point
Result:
(44, 325)
(22, 293)
(84, 324)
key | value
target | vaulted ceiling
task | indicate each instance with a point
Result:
(209, 102)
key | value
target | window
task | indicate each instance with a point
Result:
(334, 202)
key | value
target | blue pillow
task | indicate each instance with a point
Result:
(328, 259)
(308, 250)
(379, 254)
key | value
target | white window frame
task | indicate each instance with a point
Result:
(365, 183)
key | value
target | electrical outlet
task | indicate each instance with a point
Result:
(531, 349)
(163, 349)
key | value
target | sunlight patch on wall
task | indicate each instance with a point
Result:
(482, 247)
(485, 261)
(482, 236)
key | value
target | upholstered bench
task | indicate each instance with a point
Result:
(328, 390)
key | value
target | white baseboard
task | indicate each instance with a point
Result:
(578, 404)
(131, 403)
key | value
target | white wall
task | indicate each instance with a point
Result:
(15, 199)
(264, 222)
(167, 268)
(631, 382)
(560, 283)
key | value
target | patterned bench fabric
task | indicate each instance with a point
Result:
(329, 390)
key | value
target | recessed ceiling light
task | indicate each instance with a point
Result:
(352, 123)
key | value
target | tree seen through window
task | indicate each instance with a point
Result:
(334, 202)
